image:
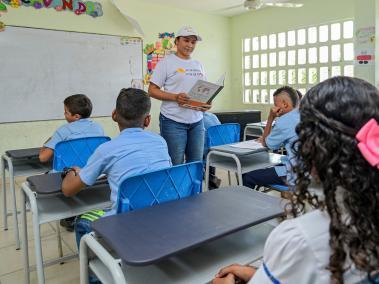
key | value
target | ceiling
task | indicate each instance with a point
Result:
(219, 7)
(209, 6)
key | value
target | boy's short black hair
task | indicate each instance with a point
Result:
(291, 92)
(132, 106)
(79, 104)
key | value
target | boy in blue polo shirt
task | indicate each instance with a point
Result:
(283, 133)
(134, 151)
(77, 110)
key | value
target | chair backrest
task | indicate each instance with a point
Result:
(160, 186)
(226, 133)
(75, 152)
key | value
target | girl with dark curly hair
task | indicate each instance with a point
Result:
(338, 176)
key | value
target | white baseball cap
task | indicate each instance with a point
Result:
(188, 31)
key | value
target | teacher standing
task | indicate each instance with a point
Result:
(181, 127)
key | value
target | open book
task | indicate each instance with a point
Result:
(203, 92)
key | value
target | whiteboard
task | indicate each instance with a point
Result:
(39, 68)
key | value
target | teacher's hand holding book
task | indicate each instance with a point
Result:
(182, 98)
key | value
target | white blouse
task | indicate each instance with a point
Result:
(298, 251)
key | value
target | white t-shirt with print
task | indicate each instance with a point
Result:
(176, 75)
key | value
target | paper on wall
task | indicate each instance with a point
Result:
(133, 21)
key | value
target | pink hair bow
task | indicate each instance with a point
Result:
(368, 137)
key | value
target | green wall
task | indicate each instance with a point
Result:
(214, 52)
(219, 52)
(273, 20)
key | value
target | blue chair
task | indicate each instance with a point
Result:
(222, 134)
(75, 152)
(160, 186)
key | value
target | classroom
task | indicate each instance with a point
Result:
(255, 57)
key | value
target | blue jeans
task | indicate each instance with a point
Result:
(261, 177)
(183, 139)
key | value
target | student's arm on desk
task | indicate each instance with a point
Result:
(46, 154)
(80, 178)
(234, 273)
(72, 183)
(274, 113)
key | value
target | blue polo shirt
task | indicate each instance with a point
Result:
(284, 134)
(78, 129)
(134, 151)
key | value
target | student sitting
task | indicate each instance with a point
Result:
(77, 110)
(287, 117)
(133, 152)
(210, 119)
(338, 149)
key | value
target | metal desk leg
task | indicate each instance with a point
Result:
(37, 233)
(83, 261)
(207, 174)
(13, 192)
(228, 155)
(4, 194)
(25, 238)
(59, 239)
(88, 241)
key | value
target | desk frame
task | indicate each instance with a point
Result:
(109, 268)
(237, 163)
(49, 209)
(183, 247)
(15, 169)
(252, 130)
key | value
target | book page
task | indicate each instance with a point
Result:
(250, 144)
(203, 91)
(221, 80)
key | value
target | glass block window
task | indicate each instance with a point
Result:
(298, 58)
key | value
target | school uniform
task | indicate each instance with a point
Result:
(283, 133)
(298, 251)
(81, 128)
(134, 151)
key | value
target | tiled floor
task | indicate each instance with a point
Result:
(11, 260)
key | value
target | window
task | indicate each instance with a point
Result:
(299, 58)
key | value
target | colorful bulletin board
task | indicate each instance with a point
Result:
(156, 52)
(78, 7)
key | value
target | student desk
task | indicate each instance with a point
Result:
(239, 160)
(23, 162)
(183, 241)
(47, 204)
(254, 130)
